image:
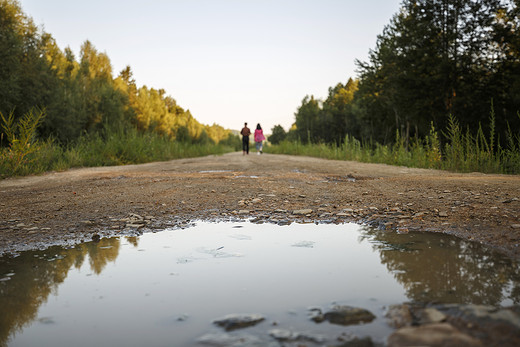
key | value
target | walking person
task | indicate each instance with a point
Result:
(245, 132)
(259, 138)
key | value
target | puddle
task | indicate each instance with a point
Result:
(167, 288)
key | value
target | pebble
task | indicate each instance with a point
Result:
(344, 315)
(243, 211)
(399, 316)
(515, 226)
(443, 214)
(438, 334)
(431, 315)
(136, 226)
(238, 321)
(302, 212)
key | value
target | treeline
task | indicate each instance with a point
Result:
(81, 95)
(435, 62)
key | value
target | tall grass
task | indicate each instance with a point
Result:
(113, 147)
(462, 151)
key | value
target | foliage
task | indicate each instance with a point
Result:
(278, 134)
(434, 58)
(110, 147)
(21, 136)
(91, 118)
(462, 152)
(81, 95)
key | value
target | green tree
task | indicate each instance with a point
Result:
(104, 103)
(307, 120)
(278, 134)
(436, 57)
(25, 79)
(337, 117)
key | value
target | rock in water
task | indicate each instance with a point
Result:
(238, 321)
(438, 334)
(345, 315)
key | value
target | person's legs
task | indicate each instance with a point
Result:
(245, 145)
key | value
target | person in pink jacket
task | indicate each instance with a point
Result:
(259, 138)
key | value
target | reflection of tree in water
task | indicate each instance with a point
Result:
(133, 240)
(37, 274)
(442, 268)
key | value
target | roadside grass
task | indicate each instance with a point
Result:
(27, 155)
(460, 151)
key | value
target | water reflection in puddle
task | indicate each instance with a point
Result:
(166, 288)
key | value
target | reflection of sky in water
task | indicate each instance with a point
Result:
(167, 287)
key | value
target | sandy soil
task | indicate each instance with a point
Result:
(85, 204)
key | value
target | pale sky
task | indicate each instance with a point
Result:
(227, 61)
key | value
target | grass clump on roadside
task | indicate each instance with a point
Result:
(28, 155)
(459, 150)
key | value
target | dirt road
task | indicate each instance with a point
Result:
(82, 204)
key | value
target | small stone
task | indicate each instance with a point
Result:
(134, 225)
(238, 321)
(399, 316)
(440, 334)
(283, 335)
(302, 212)
(256, 200)
(515, 226)
(431, 315)
(443, 214)
(243, 211)
(342, 214)
(348, 315)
